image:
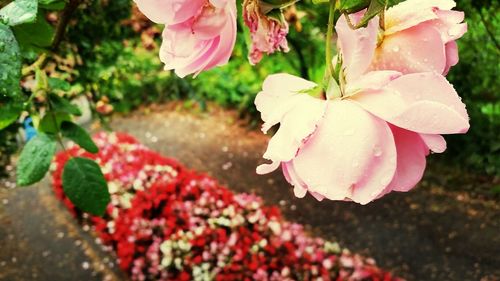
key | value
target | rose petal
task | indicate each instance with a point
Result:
(417, 49)
(169, 11)
(373, 80)
(410, 13)
(423, 102)
(451, 56)
(449, 24)
(295, 126)
(357, 46)
(337, 162)
(411, 162)
(274, 101)
(436, 143)
(267, 168)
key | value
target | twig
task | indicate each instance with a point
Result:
(64, 18)
(329, 38)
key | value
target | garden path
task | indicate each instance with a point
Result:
(40, 240)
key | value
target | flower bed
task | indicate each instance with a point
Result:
(169, 223)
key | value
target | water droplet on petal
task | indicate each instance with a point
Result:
(377, 151)
(395, 49)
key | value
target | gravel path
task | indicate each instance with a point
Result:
(39, 240)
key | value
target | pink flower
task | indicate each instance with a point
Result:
(170, 12)
(268, 33)
(420, 36)
(371, 139)
(199, 34)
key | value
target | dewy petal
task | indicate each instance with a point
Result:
(410, 13)
(357, 46)
(209, 23)
(274, 99)
(449, 24)
(373, 80)
(451, 56)
(296, 125)
(299, 187)
(411, 162)
(281, 101)
(220, 3)
(418, 49)
(339, 163)
(170, 11)
(436, 143)
(267, 168)
(226, 41)
(200, 44)
(422, 102)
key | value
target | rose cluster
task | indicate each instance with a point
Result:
(385, 101)
(386, 106)
(168, 223)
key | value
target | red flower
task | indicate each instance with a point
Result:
(168, 223)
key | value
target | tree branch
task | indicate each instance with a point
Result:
(64, 18)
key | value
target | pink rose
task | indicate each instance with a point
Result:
(199, 34)
(420, 36)
(370, 140)
(170, 12)
(268, 33)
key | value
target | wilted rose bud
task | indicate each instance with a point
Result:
(293, 16)
(103, 107)
(268, 27)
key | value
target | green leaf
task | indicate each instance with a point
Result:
(59, 84)
(10, 63)
(53, 5)
(376, 6)
(39, 33)
(9, 112)
(19, 12)
(77, 134)
(51, 122)
(395, 2)
(42, 82)
(35, 159)
(85, 186)
(353, 6)
(62, 105)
